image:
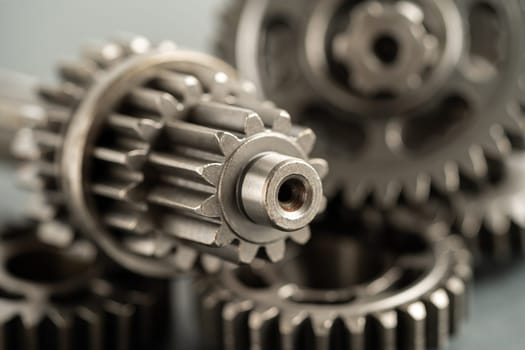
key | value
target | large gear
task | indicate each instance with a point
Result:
(151, 146)
(403, 291)
(66, 297)
(463, 110)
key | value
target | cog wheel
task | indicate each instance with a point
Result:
(462, 107)
(396, 291)
(492, 217)
(67, 297)
(156, 149)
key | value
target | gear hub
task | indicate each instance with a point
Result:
(386, 47)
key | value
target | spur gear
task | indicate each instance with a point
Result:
(465, 67)
(403, 291)
(150, 147)
(66, 297)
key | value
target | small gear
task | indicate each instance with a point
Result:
(397, 290)
(154, 146)
(68, 297)
(464, 111)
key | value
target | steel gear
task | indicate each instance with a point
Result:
(465, 111)
(402, 291)
(169, 145)
(66, 297)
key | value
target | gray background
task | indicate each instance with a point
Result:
(35, 33)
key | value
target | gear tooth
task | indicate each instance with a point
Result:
(417, 189)
(264, 328)
(119, 315)
(382, 330)
(225, 236)
(457, 294)
(185, 200)
(323, 330)
(247, 252)
(275, 251)
(291, 325)
(103, 54)
(355, 194)
(132, 159)
(190, 228)
(305, 138)
(387, 194)
(145, 129)
(253, 125)
(185, 258)
(500, 145)
(447, 180)
(210, 207)
(88, 329)
(78, 72)
(412, 326)
(438, 322)
(283, 123)
(24, 145)
(123, 220)
(228, 143)
(66, 95)
(133, 43)
(211, 173)
(235, 315)
(210, 314)
(10, 327)
(474, 164)
(301, 236)
(320, 165)
(356, 327)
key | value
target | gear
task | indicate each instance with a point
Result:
(463, 112)
(66, 297)
(392, 291)
(168, 146)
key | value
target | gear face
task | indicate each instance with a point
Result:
(66, 297)
(445, 99)
(155, 146)
(403, 291)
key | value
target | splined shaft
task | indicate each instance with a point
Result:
(151, 146)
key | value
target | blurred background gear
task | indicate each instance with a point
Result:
(396, 290)
(169, 145)
(67, 296)
(405, 96)
(17, 99)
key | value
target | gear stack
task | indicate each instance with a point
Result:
(66, 297)
(340, 292)
(150, 146)
(406, 96)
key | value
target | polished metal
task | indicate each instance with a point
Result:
(154, 149)
(68, 297)
(402, 290)
(445, 99)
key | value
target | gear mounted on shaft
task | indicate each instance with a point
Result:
(154, 146)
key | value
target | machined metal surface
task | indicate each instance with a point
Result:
(67, 297)
(399, 290)
(405, 96)
(150, 146)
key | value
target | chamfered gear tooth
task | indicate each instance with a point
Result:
(415, 302)
(183, 149)
(340, 79)
(66, 306)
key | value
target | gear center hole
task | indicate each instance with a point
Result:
(386, 48)
(292, 195)
(45, 266)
